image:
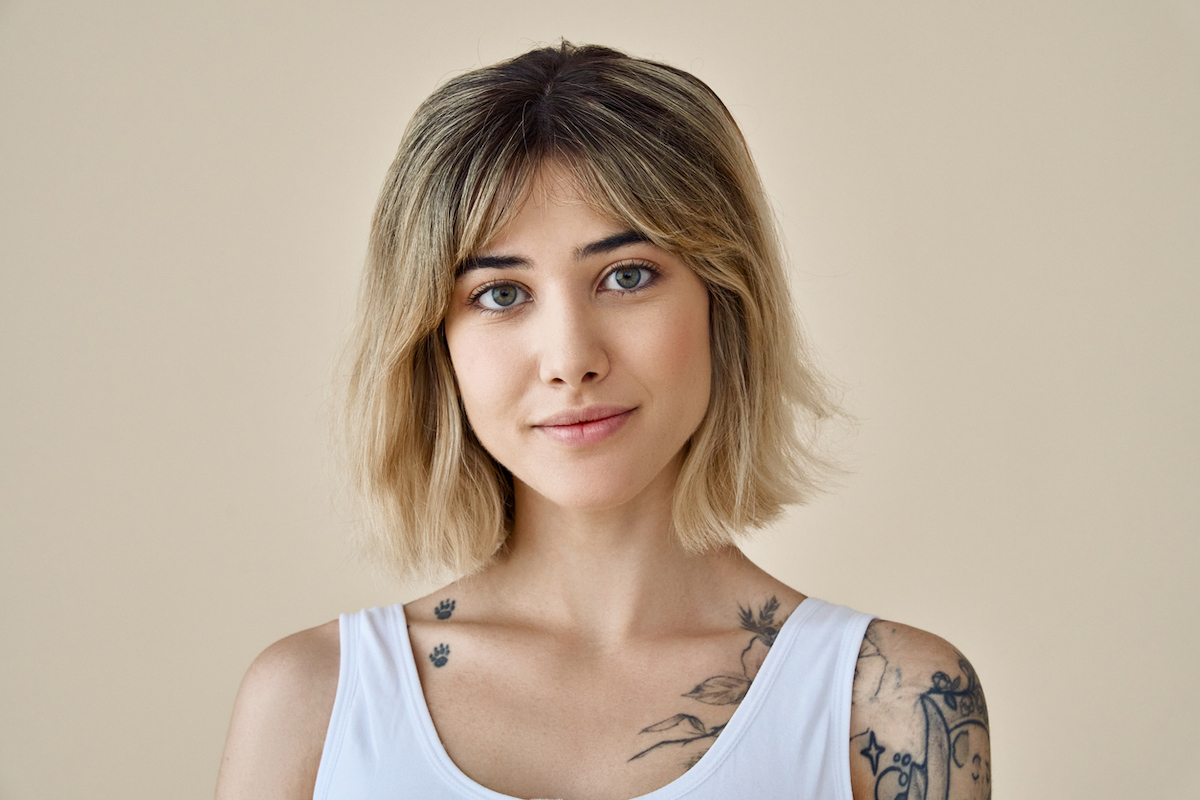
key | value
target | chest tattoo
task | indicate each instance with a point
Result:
(440, 655)
(688, 732)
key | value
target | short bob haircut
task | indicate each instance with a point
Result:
(654, 149)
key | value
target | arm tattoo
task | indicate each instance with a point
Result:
(957, 760)
(870, 659)
(720, 690)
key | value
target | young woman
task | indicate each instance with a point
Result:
(577, 381)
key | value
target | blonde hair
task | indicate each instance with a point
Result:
(654, 148)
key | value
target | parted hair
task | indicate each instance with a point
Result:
(653, 148)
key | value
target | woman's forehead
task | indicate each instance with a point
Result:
(552, 197)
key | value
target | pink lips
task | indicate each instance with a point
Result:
(585, 426)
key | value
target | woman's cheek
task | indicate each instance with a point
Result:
(486, 367)
(683, 350)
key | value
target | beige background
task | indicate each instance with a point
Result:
(994, 214)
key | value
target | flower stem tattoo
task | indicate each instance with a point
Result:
(721, 690)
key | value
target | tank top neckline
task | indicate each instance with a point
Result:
(741, 719)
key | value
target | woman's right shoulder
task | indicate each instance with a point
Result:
(280, 718)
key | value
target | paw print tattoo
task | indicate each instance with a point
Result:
(444, 609)
(440, 655)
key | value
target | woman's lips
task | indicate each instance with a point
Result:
(590, 432)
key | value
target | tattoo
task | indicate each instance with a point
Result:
(957, 759)
(440, 655)
(444, 609)
(872, 751)
(871, 660)
(721, 690)
(966, 700)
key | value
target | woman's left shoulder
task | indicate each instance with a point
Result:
(918, 718)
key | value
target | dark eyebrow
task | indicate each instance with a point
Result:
(490, 262)
(605, 245)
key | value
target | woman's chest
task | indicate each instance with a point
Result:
(538, 719)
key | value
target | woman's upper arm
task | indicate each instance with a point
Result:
(280, 719)
(918, 719)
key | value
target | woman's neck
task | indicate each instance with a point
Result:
(611, 575)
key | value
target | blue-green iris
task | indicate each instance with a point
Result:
(629, 277)
(504, 295)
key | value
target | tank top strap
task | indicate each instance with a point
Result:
(804, 718)
(376, 745)
(792, 731)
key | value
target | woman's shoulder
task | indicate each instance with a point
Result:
(301, 664)
(918, 717)
(281, 716)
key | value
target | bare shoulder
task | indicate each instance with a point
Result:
(280, 718)
(918, 719)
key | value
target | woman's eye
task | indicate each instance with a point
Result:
(627, 278)
(501, 297)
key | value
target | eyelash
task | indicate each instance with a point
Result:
(654, 272)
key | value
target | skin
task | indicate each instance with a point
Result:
(619, 654)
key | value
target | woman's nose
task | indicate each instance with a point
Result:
(572, 346)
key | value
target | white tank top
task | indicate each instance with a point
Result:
(790, 737)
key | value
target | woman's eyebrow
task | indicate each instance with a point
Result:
(605, 245)
(490, 262)
(610, 243)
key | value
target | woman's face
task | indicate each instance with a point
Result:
(581, 350)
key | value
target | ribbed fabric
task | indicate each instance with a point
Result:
(790, 737)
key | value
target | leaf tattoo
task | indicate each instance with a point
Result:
(667, 724)
(722, 690)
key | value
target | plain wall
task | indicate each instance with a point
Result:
(993, 213)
